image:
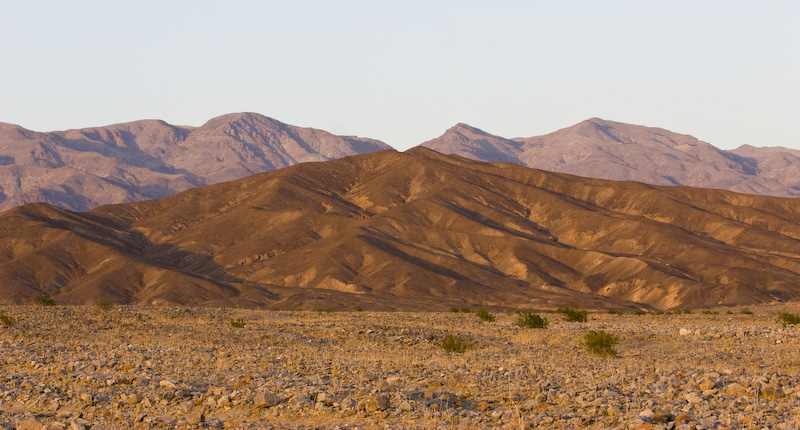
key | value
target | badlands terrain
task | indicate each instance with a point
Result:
(108, 367)
(411, 231)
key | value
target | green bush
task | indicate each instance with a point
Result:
(7, 321)
(746, 311)
(573, 315)
(104, 304)
(641, 312)
(453, 343)
(601, 343)
(789, 319)
(44, 300)
(454, 310)
(237, 323)
(485, 316)
(614, 312)
(466, 310)
(531, 320)
(323, 310)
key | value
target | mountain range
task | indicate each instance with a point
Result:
(623, 152)
(86, 168)
(414, 230)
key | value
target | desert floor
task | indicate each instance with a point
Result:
(137, 367)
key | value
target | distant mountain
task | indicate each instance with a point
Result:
(611, 150)
(415, 230)
(82, 169)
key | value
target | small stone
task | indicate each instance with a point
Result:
(30, 424)
(404, 406)
(167, 384)
(647, 414)
(707, 384)
(661, 416)
(614, 411)
(266, 399)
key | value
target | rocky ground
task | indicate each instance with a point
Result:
(133, 367)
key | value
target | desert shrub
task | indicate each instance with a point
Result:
(454, 310)
(686, 311)
(746, 311)
(7, 321)
(573, 315)
(466, 310)
(641, 312)
(531, 320)
(485, 316)
(44, 300)
(601, 343)
(237, 323)
(789, 319)
(708, 312)
(614, 312)
(660, 312)
(359, 309)
(104, 304)
(453, 343)
(323, 309)
(729, 312)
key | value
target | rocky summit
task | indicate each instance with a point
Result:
(416, 230)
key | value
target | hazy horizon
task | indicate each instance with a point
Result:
(722, 72)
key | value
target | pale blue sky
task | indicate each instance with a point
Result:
(727, 72)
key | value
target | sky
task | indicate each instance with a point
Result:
(726, 72)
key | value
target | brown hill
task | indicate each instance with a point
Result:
(82, 169)
(411, 230)
(611, 150)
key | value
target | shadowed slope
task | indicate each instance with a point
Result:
(416, 229)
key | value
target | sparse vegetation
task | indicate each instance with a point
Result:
(359, 309)
(466, 310)
(453, 343)
(789, 319)
(573, 315)
(237, 323)
(323, 309)
(44, 300)
(104, 304)
(531, 320)
(485, 316)
(454, 310)
(7, 321)
(601, 343)
(746, 311)
(641, 312)
(708, 312)
(685, 311)
(614, 312)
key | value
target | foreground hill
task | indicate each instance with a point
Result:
(414, 230)
(611, 150)
(82, 169)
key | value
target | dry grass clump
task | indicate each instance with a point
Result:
(788, 318)
(453, 343)
(485, 316)
(573, 315)
(44, 300)
(531, 320)
(601, 343)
